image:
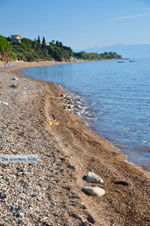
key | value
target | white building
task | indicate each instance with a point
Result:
(16, 38)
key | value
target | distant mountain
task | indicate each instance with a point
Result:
(131, 51)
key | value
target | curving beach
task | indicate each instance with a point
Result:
(49, 192)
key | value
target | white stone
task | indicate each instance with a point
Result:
(3, 102)
(92, 177)
(94, 191)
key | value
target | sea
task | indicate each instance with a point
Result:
(117, 96)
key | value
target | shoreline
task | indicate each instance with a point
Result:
(83, 150)
(69, 93)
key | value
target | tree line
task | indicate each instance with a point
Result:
(37, 49)
(96, 56)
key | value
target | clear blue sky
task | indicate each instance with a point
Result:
(78, 23)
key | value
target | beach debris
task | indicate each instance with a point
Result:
(92, 177)
(3, 102)
(53, 116)
(94, 191)
(53, 122)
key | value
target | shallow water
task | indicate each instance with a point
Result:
(119, 98)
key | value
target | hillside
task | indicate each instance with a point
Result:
(17, 47)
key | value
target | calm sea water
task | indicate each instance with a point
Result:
(119, 99)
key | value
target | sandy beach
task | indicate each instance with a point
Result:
(49, 191)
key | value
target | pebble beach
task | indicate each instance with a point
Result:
(78, 178)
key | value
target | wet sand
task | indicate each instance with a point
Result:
(49, 192)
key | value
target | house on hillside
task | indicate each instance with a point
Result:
(16, 38)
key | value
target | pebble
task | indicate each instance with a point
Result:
(3, 102)
(94, 191)
(14, 79)
(92, 177)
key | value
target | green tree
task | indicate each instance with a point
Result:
(43, 43)
(34, 44)
(27, 42)
(5, 48)
(38, 42)
(52, 42)
(59, 44)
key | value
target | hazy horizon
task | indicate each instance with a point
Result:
(127, 51)
(118, 44)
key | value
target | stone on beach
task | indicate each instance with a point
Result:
(92, 177)
(14, 78)
(3, 102)
(94, 191)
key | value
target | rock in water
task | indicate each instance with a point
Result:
(92, 177)
(94, 191)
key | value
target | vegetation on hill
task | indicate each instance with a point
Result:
(99, 56)
(29, 50)
(6, 50)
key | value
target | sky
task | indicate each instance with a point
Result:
(79, 24)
